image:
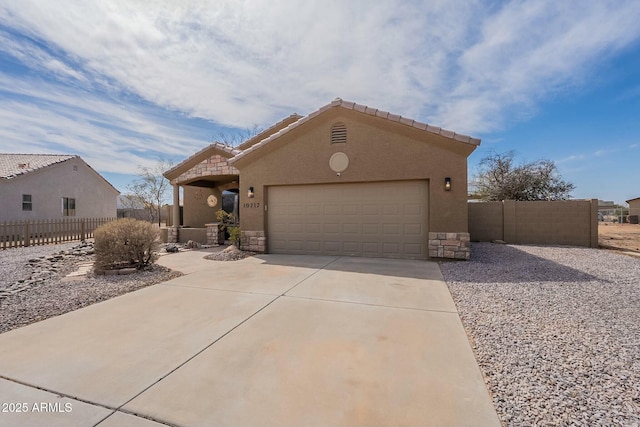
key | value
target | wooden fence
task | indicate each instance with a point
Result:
(14, 234)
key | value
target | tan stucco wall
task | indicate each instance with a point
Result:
(95, 198)
(379, 150)
(485, 221)
(197, 212)
(634, 207)
(571, 222)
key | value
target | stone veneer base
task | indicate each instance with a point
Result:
(449, 245)
(253, 241)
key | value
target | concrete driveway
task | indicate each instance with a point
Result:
(267, 341)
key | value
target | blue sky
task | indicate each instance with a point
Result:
(122, 83)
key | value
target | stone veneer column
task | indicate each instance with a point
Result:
(215, 236)
(254, 241)
(172, 234)
(449, 245)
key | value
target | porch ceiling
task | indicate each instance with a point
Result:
(210, 181)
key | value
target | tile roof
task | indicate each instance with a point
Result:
(338, 102)
(13, 165)
(269, 131)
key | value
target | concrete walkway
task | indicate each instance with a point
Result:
(267, 341)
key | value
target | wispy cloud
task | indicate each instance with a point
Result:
(253, 61)
(572, 158)
(112, 137)
(471, 66)
(530, 50)
(597, 154)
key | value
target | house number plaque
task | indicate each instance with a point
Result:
(251, 205)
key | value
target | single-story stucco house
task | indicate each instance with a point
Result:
(346, 179)
(52, 186)
(634, 209)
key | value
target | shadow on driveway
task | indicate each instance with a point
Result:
(411, 269)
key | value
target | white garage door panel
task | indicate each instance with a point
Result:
(387, 219)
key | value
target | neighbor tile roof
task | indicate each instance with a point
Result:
(338, 102)
(12, 165)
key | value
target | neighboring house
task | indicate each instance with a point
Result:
(634, 207)
(132, 206)
(344, 180)
(606, 207)
(51, 186)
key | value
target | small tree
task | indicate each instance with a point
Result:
(151, 188)
(499, 178)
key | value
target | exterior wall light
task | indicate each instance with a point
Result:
(250, 193)
(447, 184)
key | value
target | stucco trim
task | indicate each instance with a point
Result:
(219, 148)
(362, 109)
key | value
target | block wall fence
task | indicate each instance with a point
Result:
(566, 222)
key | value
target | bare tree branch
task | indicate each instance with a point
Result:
(235, 139)
(499, 178)
(150, 189)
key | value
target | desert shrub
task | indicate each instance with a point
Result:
(126, 242)
(227, 219)
(234, 235)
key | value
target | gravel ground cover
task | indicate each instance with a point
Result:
(555, 330)
(57, 294)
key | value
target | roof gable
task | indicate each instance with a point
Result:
(219, 148)
(339, 103)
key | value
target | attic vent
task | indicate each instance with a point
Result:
(338, 133)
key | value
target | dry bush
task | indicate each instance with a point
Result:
(126, 242)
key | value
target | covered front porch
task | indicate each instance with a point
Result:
(205, 183)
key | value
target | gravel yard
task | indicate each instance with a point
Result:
(54, 293)
(555, 330)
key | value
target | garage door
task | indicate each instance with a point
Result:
(383, 219)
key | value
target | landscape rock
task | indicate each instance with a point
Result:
(231, 253)
(192, 245)
(38, 270)
(30, 292)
